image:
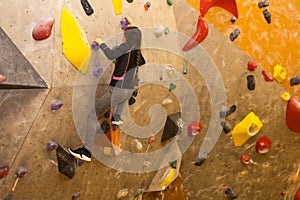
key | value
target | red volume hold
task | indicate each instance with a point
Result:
(43, 29)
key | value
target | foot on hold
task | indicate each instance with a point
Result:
(295, 81)
(250, 82)
(116, 120)
(230, 194)
(226, 129)
(231, 110)
(81, 153)
(267, 15)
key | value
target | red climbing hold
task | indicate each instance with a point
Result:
(293, 114)
(42, 30)
(194, 128)
(199, 35)
(267, 77)
(229, 5)
(252, 66)
(297, 194)
(2, 78)
(4, 171)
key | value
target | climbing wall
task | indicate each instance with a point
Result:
(47, 75)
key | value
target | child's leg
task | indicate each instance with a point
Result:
(119, 99)
(101, 107)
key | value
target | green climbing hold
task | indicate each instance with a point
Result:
(169, 2)
(172, 86)
(184, 70)
(167, 30)
(173, 164)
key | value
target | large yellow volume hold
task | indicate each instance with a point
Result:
(247, 128)
(167, 178)
(75, 45)
(117, 6)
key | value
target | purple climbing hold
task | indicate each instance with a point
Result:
(56, 105)
(95, 46)
(76, 195)
(21, 172)
(51, 146)
(97, 71)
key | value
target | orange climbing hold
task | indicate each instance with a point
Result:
(199, 35)
(229, 5)
(43, 29)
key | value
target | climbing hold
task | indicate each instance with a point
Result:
(20, 172)
(117, 4)
(172, 86)
(229, 5)
(230, 194)
(228, 112)
(51, 146)
(166, 31)
(172, 126)
(66, 163)
(167, 178)
(122, 193)
(147, 5)
(124, 24)
(56, 105)
(2, 78)
(285, 96)
(4, 171)
(279, 73)
(295, 81)
(43, 29)
(169, 2)
(202, 158)
(131, 101)
(233, 19)
(95, 46)
(75, 45)
(267, 77)
(129, 1)
(166, 101)
(226, 129)
(75, 195)
(138, 145)
(159, 30)
(297, 194)
(267, 16)
(234, 34)
(194, 128)
(263, 145)
(80, 162)
(252, 66)
(293, 114)
(250, 82)
(199, 35)
(97, 71)
(173, 164)
(263, 4)
(184, 68)
(88, 9)
(245, 159)
(245, 129)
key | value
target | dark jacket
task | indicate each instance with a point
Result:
(125, 64)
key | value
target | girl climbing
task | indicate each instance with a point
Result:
(128, 58)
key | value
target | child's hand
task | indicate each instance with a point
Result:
(98, 41)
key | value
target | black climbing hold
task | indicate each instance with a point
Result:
(129, 1)
(250, 82)
(172, 126)
(267, 15)
(295, 81)
(230, 194)
(66, 162)
(201, 159)
(104, 126)
(233, 19)
(87, 7)
(131, 101)
(135, 93)
(226, 129)
(228, 112)
(234, 34)
(106, 115)
(173, 164)
(9, 197)
(264, 3)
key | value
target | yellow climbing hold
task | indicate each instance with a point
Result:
(75, 46)
(279, 73)
(167, 178)
(285, 96)
(117, 6)
(247, 128)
